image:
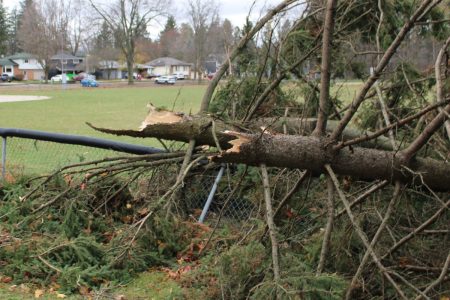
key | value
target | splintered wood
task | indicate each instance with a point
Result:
(159, 116)
(236, 143)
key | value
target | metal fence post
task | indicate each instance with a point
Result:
(3, 157)
(211, 195)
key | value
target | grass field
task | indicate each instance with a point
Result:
(68, 110)
(117, 107)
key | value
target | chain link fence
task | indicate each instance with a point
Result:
(31, 157)
(196, 193)
(34, 157)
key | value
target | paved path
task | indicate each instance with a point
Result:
(18, 98)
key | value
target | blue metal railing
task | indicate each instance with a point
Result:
(71, 140)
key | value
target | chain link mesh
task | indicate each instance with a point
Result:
(33, 157)
(26, 157)
(198, 188)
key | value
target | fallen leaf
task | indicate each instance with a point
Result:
(127, 219)
(143, 211)
(12, 288)
(120, 297)
(60, 296)
(84, 290)
(6, 279)
(38, 293)
(24, 288)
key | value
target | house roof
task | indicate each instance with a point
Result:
(64, 56)
(7, 62)
(21, 55)
(167, 61)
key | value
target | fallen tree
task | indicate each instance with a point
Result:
(269, 139)
(243, 145)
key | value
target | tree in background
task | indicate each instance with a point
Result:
(184, 45)
(168, 37)
(43, 30)
(3, 30)
(13, 28)
(129, 19)
(202, 14)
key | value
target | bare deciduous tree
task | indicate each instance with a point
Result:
(129, 20)
(43, 30)
(202, 13)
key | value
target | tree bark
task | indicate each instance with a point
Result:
(294, 151)
(324, 101)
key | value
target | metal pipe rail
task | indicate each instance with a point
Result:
(71, 140)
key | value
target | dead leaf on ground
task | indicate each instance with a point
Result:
(38, 293)
(6, 279)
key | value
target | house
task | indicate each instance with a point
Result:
(28, 66)
(8, 66)
(213, 63)
(110, 69)
(167, 66)
(66, 63)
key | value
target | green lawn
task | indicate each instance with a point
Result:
(154, 285)
(68, 110)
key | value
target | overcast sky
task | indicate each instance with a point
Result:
(234, 10)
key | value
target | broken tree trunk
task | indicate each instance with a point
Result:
(242, 145)
(312, 153)
(179, 127)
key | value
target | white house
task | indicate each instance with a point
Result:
(111, 69)
(28, 66)
(168, 66)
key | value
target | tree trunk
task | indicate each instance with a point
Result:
(46, 71)
(290, 151)
(130, 65)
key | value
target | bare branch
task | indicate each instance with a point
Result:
(424, 7)
(324, 105)
(223, 68)
(270, 223)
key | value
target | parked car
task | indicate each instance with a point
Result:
(179, 76)
(89, 83)
(150, 76)
(165, 80)
(6, 77)
(84, 75)
(59, 78)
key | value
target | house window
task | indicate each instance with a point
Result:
(64, 62)
(7, 69)
(76, 61)
(26, 61)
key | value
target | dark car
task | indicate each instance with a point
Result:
(5, 77)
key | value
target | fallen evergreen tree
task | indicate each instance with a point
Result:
(341, 211)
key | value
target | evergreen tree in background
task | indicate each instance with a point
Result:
(3, 31)
(105, 38)
(168, 36)
(13, 27)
